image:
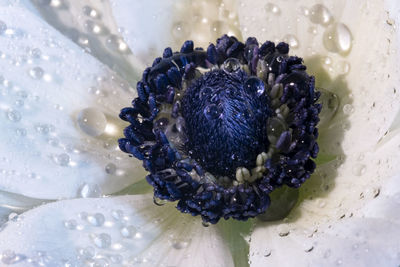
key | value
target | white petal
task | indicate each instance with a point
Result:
(91, 25)
(120, 231)
(47, 148)
(150, 26)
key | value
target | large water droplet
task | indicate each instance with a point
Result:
(212, 111)
(102, 240)
(89, 190)
(36, 73)
(111, 168)
(13, 115)
(320, 14)
(231, 65)
(337, 38)
(92, 121)
(254, 84)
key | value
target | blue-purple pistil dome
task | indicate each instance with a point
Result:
(219, 130)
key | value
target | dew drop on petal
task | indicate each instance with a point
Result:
(231, 65)
(97, 219)
(14, 115)
(36, 73)
(180, 244)
(111, 168)
(70, 224)
(337, 38)
(272, 8)
(116, 43)
(92, 121)
(62, 159)
(3, 27)
(359, 169)
(9, 257)
(348, 109)
(320, 14)
(158, 201)
(89, 191)
(343, 67)
(102, 240)
(291, 40)
(330, 103)
(128, 231)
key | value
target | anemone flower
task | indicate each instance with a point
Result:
(74, 177)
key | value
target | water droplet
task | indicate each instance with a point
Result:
(35, 53)
(9, 257)
(337, 38)
(272, 8)
(179, 30)
(128, 231)
(117, 258)
(3, 27)
(91, 12)
(101, 262)
(330, 103)
(70, 224)
(283, 230)
(275, 128)
(205, 224)
(102, 240)
(97, 219)
(21, 132)
(89, 191)
(305, 11)
(291, 40)
(320, 14)
(13, 115)
(231, 65)
(62, 159)
(343, 67)
(158, 201)
(212, 111)
(348, 109)
(116, 43)
(254, 84)
(92, 121)
(111, 168)
(93, 27)
(117, 214)
(180, 244)
(87, 253)
(205, 92)
(267, 252)
(36, 73)
(359, 169)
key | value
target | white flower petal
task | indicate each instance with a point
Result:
(150, 26)
(59, 114)
(120, 231)
(91, 25)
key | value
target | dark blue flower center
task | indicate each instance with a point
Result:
(226, 116)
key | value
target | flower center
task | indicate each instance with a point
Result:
(226, 114)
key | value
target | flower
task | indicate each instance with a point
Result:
(59, 135)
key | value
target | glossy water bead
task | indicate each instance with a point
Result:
(220, 129)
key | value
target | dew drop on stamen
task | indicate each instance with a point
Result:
(319, 14)
(92, 121)
(254, 84)
(275, 128)
(231, 65)
(212, 111)
(337, 38)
